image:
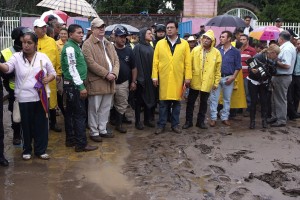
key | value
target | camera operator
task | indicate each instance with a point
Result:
(261, 70)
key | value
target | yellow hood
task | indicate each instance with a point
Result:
(211, 35)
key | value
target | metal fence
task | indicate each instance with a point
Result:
(285, 26)
(5, 31)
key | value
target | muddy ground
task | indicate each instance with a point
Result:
(233, 163)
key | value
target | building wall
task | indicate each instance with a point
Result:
(200, 8)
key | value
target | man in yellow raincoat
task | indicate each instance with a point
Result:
(206, 67)
(171, 70)
(48, 46)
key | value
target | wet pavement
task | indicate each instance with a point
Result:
(233, 163)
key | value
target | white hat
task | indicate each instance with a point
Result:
(39, 23)
(191, 38)
(97, 22)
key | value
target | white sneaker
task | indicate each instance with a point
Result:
(26, 156)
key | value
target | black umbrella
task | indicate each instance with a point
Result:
(226, 21)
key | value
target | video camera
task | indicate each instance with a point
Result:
(264, 70)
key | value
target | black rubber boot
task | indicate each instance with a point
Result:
(119, 127)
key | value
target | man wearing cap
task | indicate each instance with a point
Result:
(282, 80)
(171, 69)
(206, 67)
(103, 69)
(294, 37)
(278, 24)
(47, 45)
(126, 78)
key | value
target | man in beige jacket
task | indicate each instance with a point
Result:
(103, 70)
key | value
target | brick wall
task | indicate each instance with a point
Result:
(200, 8)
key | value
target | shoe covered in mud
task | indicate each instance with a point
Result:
(96, 138)
(201, 125)
(139, 126)
(252, 125)
(149, 124)
(107, 135)
(121, 129)
(187, 125)
(3, 162)
(226, 122)
(212, 123)
(271, 120)
(277, 124)
(86, 148)
(159, 131)
(125, 120)
(176, 129)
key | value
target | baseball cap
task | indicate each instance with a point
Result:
(278, 20)
(120, 30)
(160, 27)
(97, 22)
(39, 23)
(291, 31)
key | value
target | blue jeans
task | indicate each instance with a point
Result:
(75, 117)
(164, 106)
(214, 100)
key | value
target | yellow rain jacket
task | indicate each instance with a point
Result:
(206, 71)
(48, 46)
(171, 70)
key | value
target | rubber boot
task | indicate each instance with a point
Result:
(53, 125)
(252, 124)
(119, 127)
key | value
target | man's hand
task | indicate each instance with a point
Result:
(155, 83)
(110, 77)
(132, 86)
(229, 80)
(83, 94)
(187, 83)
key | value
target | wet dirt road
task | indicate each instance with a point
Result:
(233, 163)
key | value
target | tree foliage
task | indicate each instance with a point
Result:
(270, 9)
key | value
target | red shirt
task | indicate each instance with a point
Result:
(246, 53)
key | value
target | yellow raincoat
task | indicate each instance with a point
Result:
(207, 74)
(48, 46)
(171, 70)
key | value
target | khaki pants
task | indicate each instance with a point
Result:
(120, 100)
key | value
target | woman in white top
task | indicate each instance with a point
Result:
(34, 122)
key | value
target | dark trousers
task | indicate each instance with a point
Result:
(60, 103)
(164, 107)
(139, 103)
(34, 126)
(193, 95)
(293, 97)
(262, 91)
(75, 117)
(1, 122)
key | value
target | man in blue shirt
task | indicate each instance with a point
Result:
(231, 65)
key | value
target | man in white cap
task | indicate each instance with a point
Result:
(47, 45)
(103, 70)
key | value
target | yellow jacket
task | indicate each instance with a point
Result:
(207, 74)
(171, 70)
(48, 46)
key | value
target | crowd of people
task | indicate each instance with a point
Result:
(93, 81)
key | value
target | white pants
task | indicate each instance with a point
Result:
(98, 113)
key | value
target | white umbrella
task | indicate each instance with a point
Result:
(130, 28)
(74, 6)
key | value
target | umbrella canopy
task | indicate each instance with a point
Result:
(80, 7)
(226, 21)
(61, 16)
(265, 33)
(130, 29)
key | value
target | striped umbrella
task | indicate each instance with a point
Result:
(80, 7)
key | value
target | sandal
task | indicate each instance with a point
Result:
(26, 156)
(44, 156)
